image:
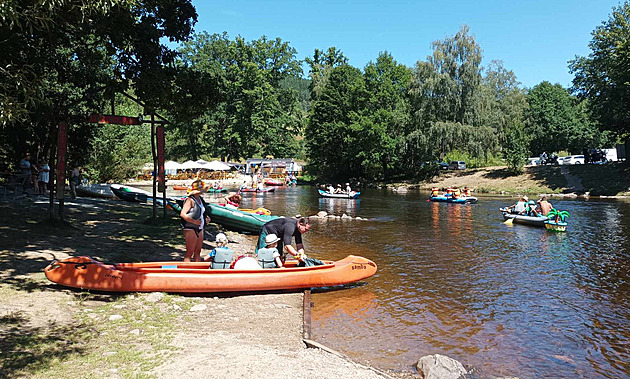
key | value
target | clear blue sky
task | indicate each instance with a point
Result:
(534, 38)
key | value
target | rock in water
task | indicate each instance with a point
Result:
(441, 367)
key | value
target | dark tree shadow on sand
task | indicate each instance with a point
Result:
(23, 346)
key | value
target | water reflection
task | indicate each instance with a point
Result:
(338, 207)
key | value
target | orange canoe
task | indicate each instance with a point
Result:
(87, 273)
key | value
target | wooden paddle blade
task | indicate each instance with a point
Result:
(509, 221)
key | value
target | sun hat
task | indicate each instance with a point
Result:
(197, 187)
(525, 198)
(221, 238)
(271, 238)
(532, 202)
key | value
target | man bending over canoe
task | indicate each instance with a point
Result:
(286, 229)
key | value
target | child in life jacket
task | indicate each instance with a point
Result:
(435, 192)
(269, 257)
(221, 256)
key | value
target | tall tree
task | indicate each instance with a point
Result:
(65, 58)
(257, 115)
(457, 61)
(331, 134)
(556, 121)
(604, 76)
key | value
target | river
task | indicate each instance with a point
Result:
(453, 279)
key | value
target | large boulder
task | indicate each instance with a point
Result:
(441, 367)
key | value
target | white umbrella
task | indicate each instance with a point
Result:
(217, 166)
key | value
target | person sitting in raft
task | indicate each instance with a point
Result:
(269, 257)
(242, 187)
(194, 216)
(519, 206)
(435, 192)
(231, 200)
(331, 189)
(286, 229)
(260, 186)
(467, 191)
(348, 189)
(530, 209)
(221, 256)
(339, 189)
(545, 206)
(449, 192)
(456, 193)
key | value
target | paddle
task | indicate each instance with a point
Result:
(509, 221)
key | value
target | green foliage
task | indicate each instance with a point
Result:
(516, 147)
(557, 121)
(63, 60)
(604, 76)
(258, 113)
(118, 152)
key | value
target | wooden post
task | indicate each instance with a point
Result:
(160, 166)
(154, 166)
(62, 135)
(306, 315)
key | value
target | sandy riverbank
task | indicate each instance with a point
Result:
(611, 180)
(49, 331)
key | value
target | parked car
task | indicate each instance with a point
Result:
(533, 162)
(573, 159)
(457, 165)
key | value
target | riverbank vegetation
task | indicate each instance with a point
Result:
(232, 98)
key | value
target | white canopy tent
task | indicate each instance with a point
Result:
(216, 166)
(171, 167)
(190, 165)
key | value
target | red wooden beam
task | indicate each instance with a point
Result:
(118, 120)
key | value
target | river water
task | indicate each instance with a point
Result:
(453, 279)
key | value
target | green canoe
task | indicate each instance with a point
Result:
(237, 220)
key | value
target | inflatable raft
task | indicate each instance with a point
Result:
(458, 200)
(87, 273)
(526, 220)
(139, 196)
(237, 220)
(210, 190)
(267, 189)
(351, 195)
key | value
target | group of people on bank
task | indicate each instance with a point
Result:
(274, 241)
(526, 207)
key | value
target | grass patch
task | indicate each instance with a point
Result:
(137, 340)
